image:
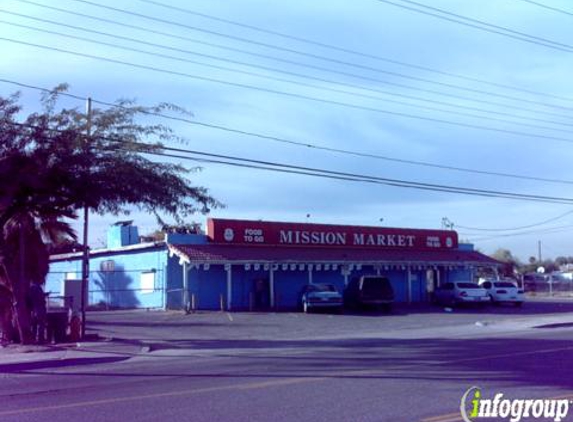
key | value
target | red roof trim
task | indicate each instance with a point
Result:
(221, 253)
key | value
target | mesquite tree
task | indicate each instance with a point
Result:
(50, 169)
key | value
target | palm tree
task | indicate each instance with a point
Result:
(28, 223)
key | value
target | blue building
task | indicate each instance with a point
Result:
(256, 265)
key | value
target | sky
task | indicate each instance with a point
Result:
(472, 94)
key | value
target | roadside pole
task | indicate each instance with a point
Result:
(86, 257)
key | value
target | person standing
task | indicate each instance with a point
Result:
(6, 327)
(38, 312)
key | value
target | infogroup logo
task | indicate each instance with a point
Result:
(474, 407)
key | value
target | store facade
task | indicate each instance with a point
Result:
(258, 265)
(261, 265)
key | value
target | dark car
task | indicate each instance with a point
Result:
(320, 296)
(369, 291)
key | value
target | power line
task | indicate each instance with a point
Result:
(549, 230)
(310, 171)
(330, 81)
(475, 23)
(287, 94)
(324, 69)
(302, 144)
(550, 220)
(298, 83)
(545, 6)
(350, 51)
(195, 155)
(313, 171)
(314, 56)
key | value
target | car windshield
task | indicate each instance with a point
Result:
(322, 288)
(468, 286)
(504, 284)
(376, 285)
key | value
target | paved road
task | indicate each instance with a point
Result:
(411, 366)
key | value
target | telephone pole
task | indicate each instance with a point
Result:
(86, 256)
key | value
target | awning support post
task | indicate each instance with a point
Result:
(409, 284)
(229, 269)
(185, 286)
(272, 286)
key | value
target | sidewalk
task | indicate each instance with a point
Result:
(128, 333)
(16, 357)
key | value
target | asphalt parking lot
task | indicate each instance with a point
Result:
(411, 365)
(174, 329)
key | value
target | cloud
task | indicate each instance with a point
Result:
(374, 28)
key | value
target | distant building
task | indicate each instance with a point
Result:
(259, 265)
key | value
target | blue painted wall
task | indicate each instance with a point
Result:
(174, 284)
(122, 235)
(244, 288)
(288, 285)
(329, 277)
(208, 286)
(120, 287)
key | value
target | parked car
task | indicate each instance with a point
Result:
(501, 291)
(533, 282)
(369, 291)
(460, 292)
(315, 296)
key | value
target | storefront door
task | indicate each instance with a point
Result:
(262, 295)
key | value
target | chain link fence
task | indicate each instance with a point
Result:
(547, 285)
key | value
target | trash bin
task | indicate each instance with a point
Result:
(57, 326)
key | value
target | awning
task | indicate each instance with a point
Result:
(226, 254)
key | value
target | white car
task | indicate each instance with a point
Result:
(460, 292)
(501, 291)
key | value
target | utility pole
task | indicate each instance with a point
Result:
(447, 224)
(539, 251)
(86, 256)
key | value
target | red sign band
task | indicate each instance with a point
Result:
(246, 232)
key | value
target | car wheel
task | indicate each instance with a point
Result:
(492, 301)
(518, 304)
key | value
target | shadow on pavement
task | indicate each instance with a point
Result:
(23, 367)
(516, 362)
(102, 323)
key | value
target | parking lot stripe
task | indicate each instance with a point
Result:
(445, 418)
(440, 418)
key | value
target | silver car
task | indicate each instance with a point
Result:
(458, 292)
(315, 296)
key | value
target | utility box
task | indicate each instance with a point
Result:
(122, 233)
(72, 293)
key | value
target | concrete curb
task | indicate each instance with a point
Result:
(30, 354)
